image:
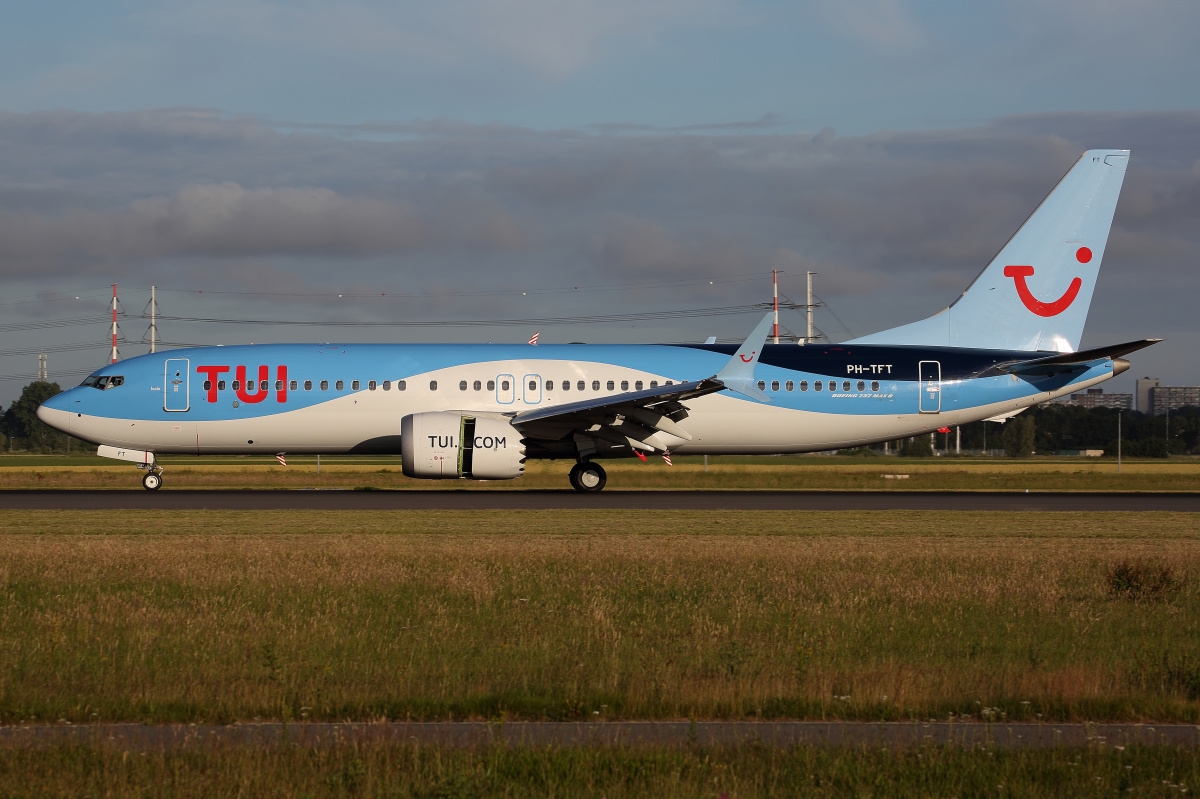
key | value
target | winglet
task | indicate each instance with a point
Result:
(738, 374)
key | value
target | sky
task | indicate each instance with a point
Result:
(380, 163)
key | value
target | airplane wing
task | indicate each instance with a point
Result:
(643, 420)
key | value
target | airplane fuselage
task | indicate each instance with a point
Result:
(350, 398)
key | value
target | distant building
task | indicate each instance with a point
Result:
(1170, 398)
(1096, 398)
(1143, 392)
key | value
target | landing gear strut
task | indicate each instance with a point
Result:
(587, 477)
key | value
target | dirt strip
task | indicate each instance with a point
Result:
(140, 737)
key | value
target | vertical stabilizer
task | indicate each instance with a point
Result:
(1035, 293)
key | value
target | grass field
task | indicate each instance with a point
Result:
(738, 772)
(726, 472)
(222, 616)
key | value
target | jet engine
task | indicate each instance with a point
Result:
(443, 446)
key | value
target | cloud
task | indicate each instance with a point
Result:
(888, 24)
(226, 220)
(552, 38)
(895, 224)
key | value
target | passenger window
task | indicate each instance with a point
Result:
(595, 385)
(566, 385)
(207, 385)
(462, 385)
(845, 385)
(804, 385)
(637, 386)
(372, 385)
(433, 385)
(237, 384)
(292, 385)
(874, 385)
(387, 385)
(533, 385)
(668, 383)
(324, 385)
(220, 385)
(549, 385)
(762, 385)
(612, 386)
(401, 385)
(581, 386)
(308, 385)
(774, 385)
(279, 385)
(262, 385)
(817, 386)
(478, 386)
(624, 385)
(789, 385)
(861, 385)
(504, 385)
(653, 384)
(355, 385)
(491, 385)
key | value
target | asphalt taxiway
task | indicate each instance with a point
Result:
(166, 499)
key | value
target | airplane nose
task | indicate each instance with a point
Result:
(56, 412)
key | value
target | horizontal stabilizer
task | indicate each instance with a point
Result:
(1049, 363)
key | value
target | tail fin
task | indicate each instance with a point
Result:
(1056, 254)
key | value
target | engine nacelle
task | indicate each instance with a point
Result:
(442, 446)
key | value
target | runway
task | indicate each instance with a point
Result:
(895, 735)
(608, 500)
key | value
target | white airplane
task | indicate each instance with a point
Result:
(479, 411)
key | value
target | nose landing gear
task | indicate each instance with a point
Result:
(587, 477)
(153, 479)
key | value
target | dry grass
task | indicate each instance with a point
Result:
(844, 473)
(742, 772)
(219, 616)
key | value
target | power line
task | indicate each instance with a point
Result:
(52, 323)
(87, 345)
(730, 310)
(640, 285)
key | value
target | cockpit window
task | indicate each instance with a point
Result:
(103, 382)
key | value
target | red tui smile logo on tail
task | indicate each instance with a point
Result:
(1019, 273)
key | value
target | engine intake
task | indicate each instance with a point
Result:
(443, 446)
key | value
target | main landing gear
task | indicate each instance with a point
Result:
(153, 479)
(587, 477)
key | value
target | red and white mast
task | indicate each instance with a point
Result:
(114, 324)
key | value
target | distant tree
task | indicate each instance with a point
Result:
(20, 420)
(1018, 436)
(916, 447)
